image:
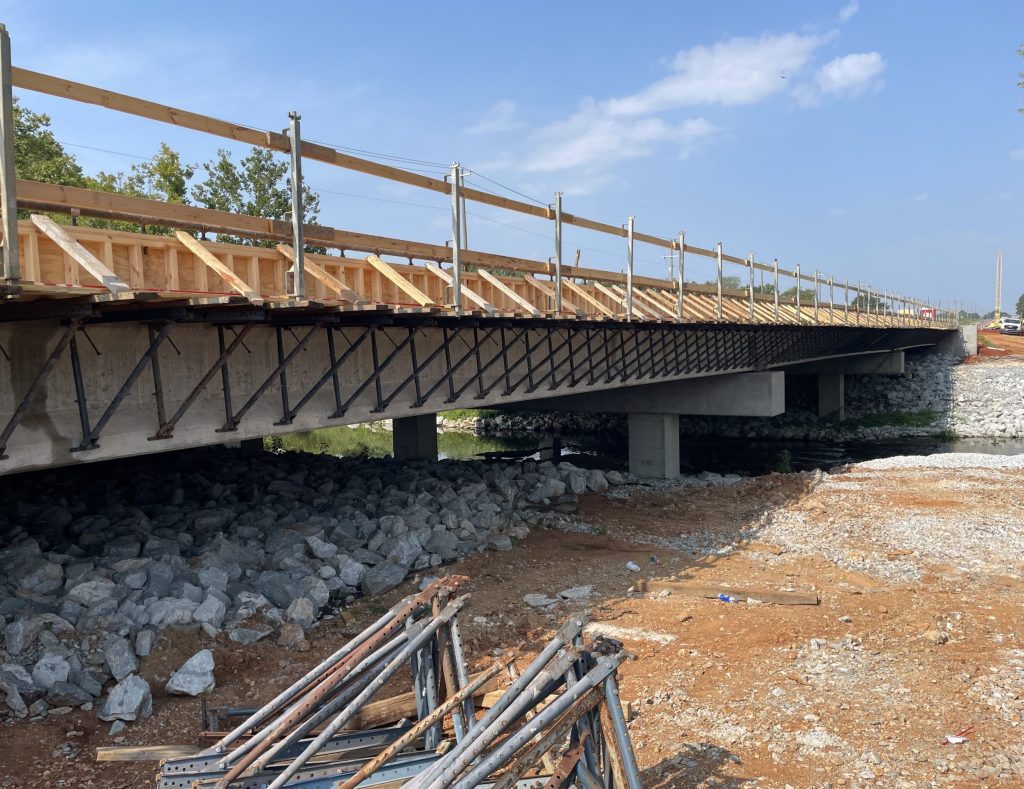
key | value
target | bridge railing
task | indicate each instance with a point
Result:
(476, 280)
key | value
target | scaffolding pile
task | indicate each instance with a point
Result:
(558, 724)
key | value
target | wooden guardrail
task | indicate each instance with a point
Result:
(618, 293)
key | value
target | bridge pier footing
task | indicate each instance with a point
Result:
(654, 445)
(414, 437)
(832, 395)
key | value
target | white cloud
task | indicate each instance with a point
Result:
(501, 117)
(837, 212)
(847, 11)
(732, 72)
(851, 75)
(594, 137)
(1017, 154)
(844, 77)
(920, 198)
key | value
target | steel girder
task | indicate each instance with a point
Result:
(504, 360)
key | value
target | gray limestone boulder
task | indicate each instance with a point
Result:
(301, 611)
(50, 669)
(89, 593)
(167, 611)
(129, 700)
(210, 612)
(350, 572)
(21, 634)
(120, 657)
(66, 694)
(195, 677)
(404, 549)
(382, 578)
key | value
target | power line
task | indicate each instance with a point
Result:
(104, 150)
(507, 188)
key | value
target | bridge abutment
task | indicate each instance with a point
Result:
(414, 437)
(832, 396)
(654, 445)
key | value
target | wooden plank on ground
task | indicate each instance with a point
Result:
(211, 262)
(400, 282)
(469, 293)
(505, 290)
(332, 283)
(705, 590)
(82, 256)
(144, 753)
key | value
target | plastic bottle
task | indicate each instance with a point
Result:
(728, 598)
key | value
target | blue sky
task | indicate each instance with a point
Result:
(878, 141)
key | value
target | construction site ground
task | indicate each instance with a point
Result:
(917, 634)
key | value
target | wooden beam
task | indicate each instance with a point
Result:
(332, 283)
(400, 282)
(447, 278)
(508, 292)
(144, 753)
(50, 197)
(82, 256)
(567, 306)
(579, 291)
(650, 301)
(211, 262)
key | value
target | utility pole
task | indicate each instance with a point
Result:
(997, 313)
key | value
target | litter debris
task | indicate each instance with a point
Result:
(734, 595)
(632, 566)
(958, 738)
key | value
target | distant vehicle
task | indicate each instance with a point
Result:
(1011, 326)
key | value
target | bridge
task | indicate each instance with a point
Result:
(118, 343)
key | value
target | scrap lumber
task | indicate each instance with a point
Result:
(712, 592)
(82, 256)
(143, 753)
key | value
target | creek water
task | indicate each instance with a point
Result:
(700, 453)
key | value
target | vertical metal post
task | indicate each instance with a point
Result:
(629, 269)
(295, 138)
(798, 281)
(831, 298)
(750, 287)
(816, 286)
(9, 266)
(718, 258)
(462, 208)
(682, 280)
(846, 300)
(775, 273)
(558, 253)
(456, 178)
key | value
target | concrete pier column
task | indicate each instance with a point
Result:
(654, 445)
(414, 437)
(831, 395)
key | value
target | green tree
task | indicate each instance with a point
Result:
(806, 295)
(164, 177)
(257, 186)
(1020, 305)
(37, 154)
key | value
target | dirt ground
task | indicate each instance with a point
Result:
(855, 691)
(1001, 344)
